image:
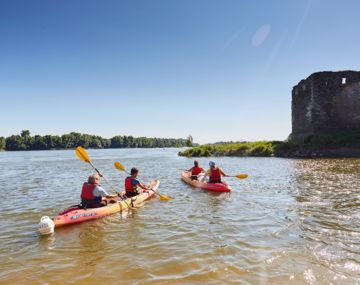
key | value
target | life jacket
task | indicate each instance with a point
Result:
(128, 185)
(196, 170)
(215, 174)
(87, 191)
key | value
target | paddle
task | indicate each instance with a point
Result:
(82, 154)
(240, 175)
(120, 167)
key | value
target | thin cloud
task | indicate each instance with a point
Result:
(301, 23)
(261, 35)
(275, 52)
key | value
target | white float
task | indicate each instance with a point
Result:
(46, 226)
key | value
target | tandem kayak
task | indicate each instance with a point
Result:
(75, 214)
(217, 187)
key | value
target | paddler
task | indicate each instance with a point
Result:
(214, 173)
(132, 185)
(92, 193)
(196, 170)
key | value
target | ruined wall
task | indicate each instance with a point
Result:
(326, 101)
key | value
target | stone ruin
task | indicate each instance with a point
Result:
(326, 102)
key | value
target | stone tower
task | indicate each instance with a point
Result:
(326, 102)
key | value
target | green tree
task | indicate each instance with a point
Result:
(84, 140)
(15, 142)
(52, 142)
(71, 140)
(117, 142)
(28, 140)
(2, 143)
(25, 133)
(95, 143)
(39, 143)
(106, 143)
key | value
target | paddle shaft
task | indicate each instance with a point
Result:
(120, 167)
(101, 175)
(108, 183)
(240, 176)
(166, 197)
(85, 157)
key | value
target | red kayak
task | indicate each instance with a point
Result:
(75, 214)
(217, 187)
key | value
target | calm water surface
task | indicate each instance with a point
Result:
(290, 222)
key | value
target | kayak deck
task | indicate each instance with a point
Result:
(75, 214)
(217, 187)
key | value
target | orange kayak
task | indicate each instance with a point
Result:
(217, 187)
(75, 214)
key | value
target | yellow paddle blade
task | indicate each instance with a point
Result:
(119, 166)
(241, 175)
(164, 198)
(161, 196)
(81, 153)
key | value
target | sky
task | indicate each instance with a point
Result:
(219, 70)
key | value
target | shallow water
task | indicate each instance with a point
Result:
(290, 222)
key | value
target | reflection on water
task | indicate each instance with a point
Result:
(328, 208)
(290, 222)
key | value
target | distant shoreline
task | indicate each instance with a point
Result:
(331, 145)
(299, 153)
(25, 141)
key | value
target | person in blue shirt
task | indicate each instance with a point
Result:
(132, 185)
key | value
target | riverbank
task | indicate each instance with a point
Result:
(345, 144)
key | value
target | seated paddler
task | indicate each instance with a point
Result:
(196, 170)
(133, 186)
(92, 193)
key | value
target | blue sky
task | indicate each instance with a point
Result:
(218, 70)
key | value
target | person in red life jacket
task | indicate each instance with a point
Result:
(196, 170)
(214, 173)
(92, 193)
(132, 185)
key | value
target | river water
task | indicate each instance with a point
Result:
(292, 221)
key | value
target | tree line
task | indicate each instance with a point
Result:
(25, 141)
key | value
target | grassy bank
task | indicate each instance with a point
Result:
(262, 148)
(326, 144)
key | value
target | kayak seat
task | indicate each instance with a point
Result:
(92, 206)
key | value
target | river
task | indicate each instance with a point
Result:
(292, 221)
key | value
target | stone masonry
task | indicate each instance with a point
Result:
(326, 102)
